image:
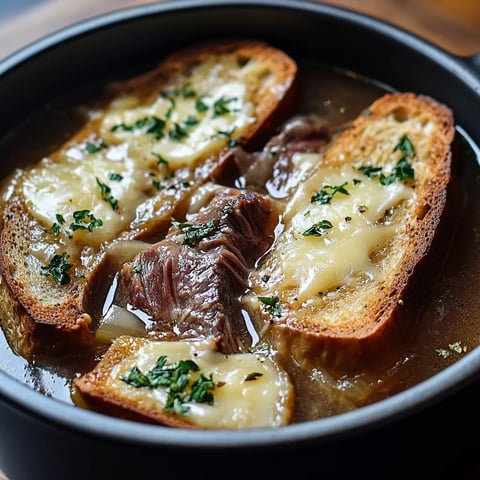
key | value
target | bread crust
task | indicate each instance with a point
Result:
(36, 313)
(355, 323)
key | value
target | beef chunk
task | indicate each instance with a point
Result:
(189, 284)
(272, 170)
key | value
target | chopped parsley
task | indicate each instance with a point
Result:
(82, 220)
(105, 191)
(160, 159)
(176, 378)
(179, 132)
(85, 220)
(55, 228)
(272, 305)
(58, 269)
(402, 171)
(326, 194)
(200, 106)
(158, 185)
(151, 124)
(194, 233)
(186, 91)
(231, 142)
(405, 146)
(318, 229)
(115, 177)
(91, 147)
(221, 106)
(370, 171)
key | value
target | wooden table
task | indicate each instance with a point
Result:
(452, 24)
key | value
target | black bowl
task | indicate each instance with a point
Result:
(428, 429)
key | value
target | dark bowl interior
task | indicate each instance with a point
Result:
(38, 434)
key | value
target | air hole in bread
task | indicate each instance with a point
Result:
(400, 114)
(422, 210)
(242, 60)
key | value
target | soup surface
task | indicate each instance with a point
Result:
(443, 312)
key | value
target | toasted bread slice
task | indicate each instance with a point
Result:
(354, 231)
(124, 384)
(130, 170)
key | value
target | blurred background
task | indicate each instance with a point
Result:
(451, 24)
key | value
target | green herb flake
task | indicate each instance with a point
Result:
(405, 146)
(85, 220)
(158, 185)
(221, 106)
(231, 142)
(272, 305)
(403, 170)
(202, 390)
(115, 177)
(325, 195)
(91, 147)
(200, 106)
(58, 269)
(318, 229)
(187, 91)
(150, 124)
(160, 159)
(55, 228)
(136, 378)
(105, 191)
(370, 171)
(177, 379)
(194, 233)
(178, 132)
(191, 121)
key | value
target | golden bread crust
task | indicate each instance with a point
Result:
(358, 319)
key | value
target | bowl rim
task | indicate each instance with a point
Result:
(360, 420)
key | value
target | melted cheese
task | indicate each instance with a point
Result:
(214, 83)
(315, 264)
(71, 183)
(263, 402)
(71, 186)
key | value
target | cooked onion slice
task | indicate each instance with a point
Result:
(119, 321)
(124, 250)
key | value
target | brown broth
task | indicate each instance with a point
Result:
(443, 305)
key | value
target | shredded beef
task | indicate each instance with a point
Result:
(271, 170)
(189, 284)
